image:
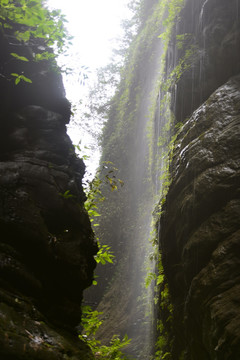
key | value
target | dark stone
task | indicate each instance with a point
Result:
(213, 29)
(26, 334)
(199, 231)
(46, 89)
(47, 245)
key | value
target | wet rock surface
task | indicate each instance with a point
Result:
(199, 230)
(210, 31)
(26, 334)
(46, 245)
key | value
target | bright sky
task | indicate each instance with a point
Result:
(94, 24)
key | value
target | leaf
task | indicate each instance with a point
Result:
(7, 26)
(21, 77)
(25, 36)
(66, 195)
(25, 79)
(121, 182)
(22, 58)
(160, 279)
(44, 56)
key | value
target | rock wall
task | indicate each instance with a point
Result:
(211, 29)
(199, 228)
(46, 245)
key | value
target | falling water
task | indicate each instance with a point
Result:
(129, 307)
(203, 47)
(201, 12)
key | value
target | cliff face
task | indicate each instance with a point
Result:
(199, 228)
(211, 28)
(46, 245)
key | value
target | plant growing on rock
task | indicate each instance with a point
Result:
(91, 318)
(94, 198)
(91, 323)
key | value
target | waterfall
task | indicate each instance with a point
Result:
(131, 142)
(136, 140)
(201, 31)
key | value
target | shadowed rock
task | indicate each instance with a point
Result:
(46, 245)
(199, 230)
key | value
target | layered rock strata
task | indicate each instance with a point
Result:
(46, 245)
(199, 228)
(199, 231)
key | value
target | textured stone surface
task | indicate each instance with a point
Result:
(26, 334)
(212, 30)
(46, 89)
(200, 230)
(46, 244)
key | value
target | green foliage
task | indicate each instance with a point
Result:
(104, 254)
(34, 26)
(151, 276)
(181, 40)
(22, 58)
(91, 318)
(20, 77)
(94, 198)
(30, 20)
(66, 195)
(94, 193)
(79, 149)
(91, 322)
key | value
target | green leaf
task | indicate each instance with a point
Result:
(18, 57)
(44, 56)
(7, 26)
(160, 279)
(23, 36)
(25, 79)
(66, 195)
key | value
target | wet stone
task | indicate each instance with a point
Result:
(199, 232)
